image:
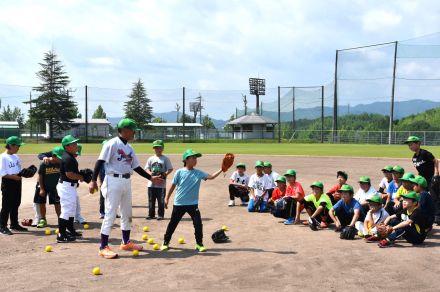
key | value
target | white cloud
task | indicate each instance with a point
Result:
(379, 20)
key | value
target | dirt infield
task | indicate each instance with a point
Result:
(263, 254)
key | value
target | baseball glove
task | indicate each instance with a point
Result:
(28, 172)
(227, 162)
(87, 174)
(348, 232)
(220, 236)
(382, 230)
(313, 223)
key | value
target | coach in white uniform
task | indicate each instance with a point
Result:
(119, 160)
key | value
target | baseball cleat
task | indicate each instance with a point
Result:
(200, 248)
(107, 253)
(130, 246)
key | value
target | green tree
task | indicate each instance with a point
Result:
(229, 127)
(207, 122)
(12, 115)
(159, 120)
(54, 104)
(185, 118)
(138, 105)
(99, 113)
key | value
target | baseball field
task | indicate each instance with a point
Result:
(263, 253)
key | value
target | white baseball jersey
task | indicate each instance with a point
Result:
(273, 177)
(244, 180)
(260, 184)
(384, 183)
(10, 164)
(119, 157)
(362, 196)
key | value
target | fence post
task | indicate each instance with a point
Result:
(322, 114)
(87, 120)
(335, 100)
(183, 115)
(279, 115)
(392, 92)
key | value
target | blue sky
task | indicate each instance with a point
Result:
(203, 45)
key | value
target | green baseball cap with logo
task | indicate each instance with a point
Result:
(259, 163)
(346, 188)
(398, 169)
(290, 172)
(69, 139)
(241, 164)
(14, 140)
(127, 123)
(267, 164)
(412, 139)
(419, 180)
(80, 147)
(364, 179)
(281, 178)
(387, 168)
(189, 153)
(407, 176)
(158, 143)
(377, 198)
(58, 152)
(317, 184)
(411, 195)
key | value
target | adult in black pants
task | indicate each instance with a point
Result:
(10, 167)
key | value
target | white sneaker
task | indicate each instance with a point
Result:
(231, 203)
(35, 222)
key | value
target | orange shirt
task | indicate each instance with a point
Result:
(333, 192)
(293, 190)
(277, 194)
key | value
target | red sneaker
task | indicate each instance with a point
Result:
(372, 238)
(384, 243)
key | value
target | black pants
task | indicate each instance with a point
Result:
(238, 192)
(289, 210)
(435, 194)
(345, 218)
(11, 200)
(323, 216)
(153, 195)
(176, 216)
(409, 233)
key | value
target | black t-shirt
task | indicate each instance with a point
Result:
(68, 164)
(417, 217)
(424, 163)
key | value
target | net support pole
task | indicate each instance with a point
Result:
(392, 95)
(279, 114)
(322, 114)
(183, 115)
(293, 108)
(335, 100)
(86, 115)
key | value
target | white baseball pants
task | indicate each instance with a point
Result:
(68, 199)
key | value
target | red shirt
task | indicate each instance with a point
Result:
(277, 194)
(293, 190)
(333, 191)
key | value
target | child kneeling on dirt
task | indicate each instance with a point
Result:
(409, 222)
(259, 183)
(318, 206)
(186, 181)
(277, 203)
(238, 186)
(346, 211)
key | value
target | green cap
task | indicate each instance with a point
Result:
(342, 173)
(103, 142)
(128, 124)
(267, 164)
(69, 139)
(14, 140)
(398, 169)
(419, 180)
(241, 164)
(281, 178)
(412, 139)
(290, 172)
(158, 143)
(259, 163)
(80, 147)
(411, 195)
(346, 188)
(377, 198)
(407, 176)
(58, 152)
(365, 179)
(189, 153)
(317, 184)
(387, 168)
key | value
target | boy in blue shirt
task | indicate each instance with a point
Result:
(186, 181)
(347, 210)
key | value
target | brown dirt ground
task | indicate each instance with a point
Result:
(263, 254)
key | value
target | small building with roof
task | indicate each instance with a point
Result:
(253, 126)
(95, 128)
(9, 128)
(166, 131)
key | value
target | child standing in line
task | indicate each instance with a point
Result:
(186, 182)
(158, 164)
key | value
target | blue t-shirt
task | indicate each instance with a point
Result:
(187, 186)
(350, 207)
(392, 189)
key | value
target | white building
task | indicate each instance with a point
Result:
(253, 126)
(95, 128)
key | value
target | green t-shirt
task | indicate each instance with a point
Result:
(323, 199)
(51, 175)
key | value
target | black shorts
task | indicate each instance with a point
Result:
(52, 194)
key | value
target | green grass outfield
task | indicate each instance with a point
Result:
(353, 150)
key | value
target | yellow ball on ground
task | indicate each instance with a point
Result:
(86, 226)
(144, 237)
(225, 228)
(150, 240)
(48, 248)
(96, 271)
(47, 232)
(146, 229)
(57, 231)
(181, 240)
(135, 253)
(156, 246)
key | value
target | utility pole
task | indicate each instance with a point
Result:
(245, 103)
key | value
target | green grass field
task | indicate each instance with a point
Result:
(353, 150)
